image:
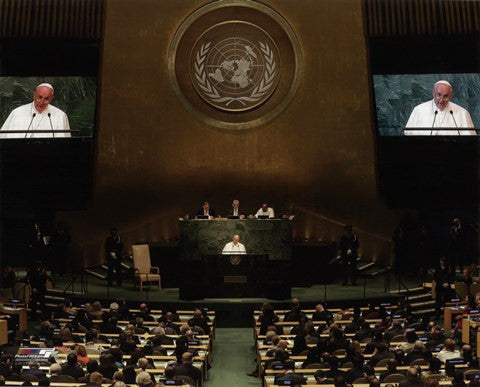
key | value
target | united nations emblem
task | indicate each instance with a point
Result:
(235, 260)
(238, 72)
(235, 63)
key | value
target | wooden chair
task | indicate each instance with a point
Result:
(420, 362)
(383, 362)
(395, 378)
(144, 271)
(315, 366)
(398, 339)
(186, 380)
(474, 288)
(461, 289)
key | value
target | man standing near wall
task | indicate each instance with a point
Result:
(349, 245)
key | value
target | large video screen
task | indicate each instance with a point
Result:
(397, 95)
(64, 106)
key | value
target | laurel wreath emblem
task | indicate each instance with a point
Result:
(257, 93)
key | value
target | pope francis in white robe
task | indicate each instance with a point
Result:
(439, 113)
(37, 115)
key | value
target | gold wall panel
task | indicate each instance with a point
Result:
(156, 161)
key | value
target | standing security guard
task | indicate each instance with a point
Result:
(113, 252)
(348, 249)
(37, 277)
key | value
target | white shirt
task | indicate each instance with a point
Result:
(444, 355)
(231, 248)
(423, 116)
(20, 118)
(269, 212)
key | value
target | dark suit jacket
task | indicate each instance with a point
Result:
(295, 378)
(240, 212)
(113, 245)
(188, 370)
(417, 382)
(211, 212)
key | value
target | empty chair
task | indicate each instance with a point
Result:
(144, 271)
(461, 289)
(474, 288)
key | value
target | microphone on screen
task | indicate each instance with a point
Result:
(30, 124)
(454, 120)
(51, 126)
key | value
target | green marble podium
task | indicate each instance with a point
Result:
(260, 236)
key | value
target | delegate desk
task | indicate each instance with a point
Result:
(199, 238)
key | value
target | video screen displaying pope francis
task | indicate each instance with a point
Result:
(427, 104)
(47, 107)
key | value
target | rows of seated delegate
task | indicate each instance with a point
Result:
(118, 346)
(373, 345)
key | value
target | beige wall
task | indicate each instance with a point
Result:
(155, 161)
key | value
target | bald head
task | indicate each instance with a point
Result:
(187, 357)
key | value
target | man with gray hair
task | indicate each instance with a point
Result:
(440, 112)
(56, 375)
(143, 379)
(235, 211)
(37, 115)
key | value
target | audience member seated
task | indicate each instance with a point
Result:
(434, 370)
(295, 314)
(357, 370)
(82, 356)
(56, 375)
(413, 378)
(169, 373)
(144, 379)
(72, 368)
(15, 374)
(321, 377)
(34, 369)
(199, 320)
(321, 314)
(410, 337)
(129, 374)
(6, 361)
(449, 352)
(92, 366)
(418, 352)
(107, 365)
(299, 345)
(392, 365)
(337, 340)
(159, 333)
(188, 369)
(95, 379)
(458, 379)
(290, 374)
(381, 352)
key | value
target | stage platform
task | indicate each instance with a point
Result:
(231, 312)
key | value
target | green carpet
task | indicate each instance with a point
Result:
(97, 289)
(233, 357)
